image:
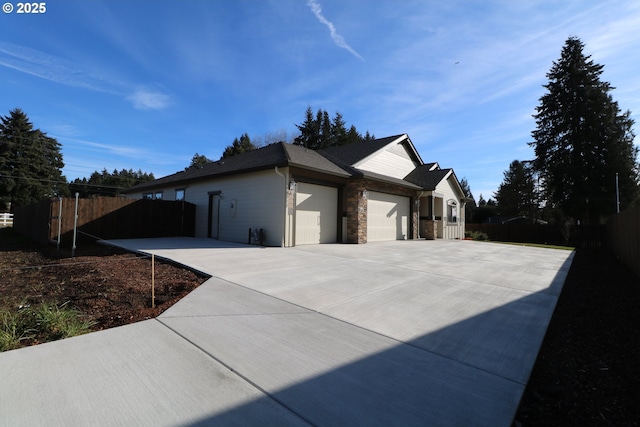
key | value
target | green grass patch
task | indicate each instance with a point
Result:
(539, 245)
(27, 325)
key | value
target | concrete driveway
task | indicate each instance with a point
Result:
(393, 333)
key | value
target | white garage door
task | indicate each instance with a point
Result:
(316, 214)
(387, 217)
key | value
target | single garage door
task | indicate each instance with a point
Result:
(316, 214)
(387, 217)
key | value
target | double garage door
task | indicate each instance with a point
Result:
(317, 215)
(387, 217)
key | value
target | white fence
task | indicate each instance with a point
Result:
(6, 220)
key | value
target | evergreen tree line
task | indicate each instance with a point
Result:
(586, 165)
(108, 184)
(31, 167)
(321, 131)
(317, 131)
(31, 162)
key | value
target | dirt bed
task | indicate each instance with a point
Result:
(588, 371)
(110, 286)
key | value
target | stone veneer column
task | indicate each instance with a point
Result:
(356, 207)
(431, 232)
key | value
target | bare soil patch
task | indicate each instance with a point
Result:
(109, 285)
(587, 372)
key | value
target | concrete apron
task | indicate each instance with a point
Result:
(393, 333)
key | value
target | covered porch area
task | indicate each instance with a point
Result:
(440, 216)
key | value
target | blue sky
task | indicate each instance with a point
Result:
(146, 84)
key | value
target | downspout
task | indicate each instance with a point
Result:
(284, 216)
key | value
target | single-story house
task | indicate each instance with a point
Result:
(356, 193)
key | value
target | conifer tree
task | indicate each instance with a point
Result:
(239, 146)
(323, 132)
(582, 140)
(516, 195)
(30, 162)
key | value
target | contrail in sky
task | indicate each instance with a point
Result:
(337, 38)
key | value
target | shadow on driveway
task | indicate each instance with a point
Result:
(403, 383)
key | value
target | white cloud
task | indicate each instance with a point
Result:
(337, 38)
(50, 67)
(146, 99)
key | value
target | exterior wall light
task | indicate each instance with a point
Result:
(293, 185)
(365, 194)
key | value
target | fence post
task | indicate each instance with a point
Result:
(59, 222)
(75, 226)
(153, 281)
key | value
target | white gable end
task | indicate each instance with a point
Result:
(393, 160)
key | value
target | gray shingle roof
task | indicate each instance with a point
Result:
(426, 178)
(349, 154)
(335, 161)
(385, 178)
(311, 159)
(279, 154)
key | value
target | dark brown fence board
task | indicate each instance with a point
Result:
(623, 237)
(583, 236)
(106, 218)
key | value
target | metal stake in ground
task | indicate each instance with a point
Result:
(153, 282)
(75, 228)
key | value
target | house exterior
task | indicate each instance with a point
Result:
(357, 193)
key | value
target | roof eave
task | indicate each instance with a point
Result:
(179, 182)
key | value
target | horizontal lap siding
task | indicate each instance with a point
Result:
(259, 203)
(450, 230)
(394, 161)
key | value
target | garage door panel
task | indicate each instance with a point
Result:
(316, 214)
(387, 217)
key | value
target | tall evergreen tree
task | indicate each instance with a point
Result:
(339, 130)
(30, 162)
(516, 196)
(323, 132)
(470, 205)
(198, 161)
(582, 140)
(239, 146)
(327, 137)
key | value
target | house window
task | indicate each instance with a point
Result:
(158, 195)
(452, 211)
(180, 194)
(147, 196)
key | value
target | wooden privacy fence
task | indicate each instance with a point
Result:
(623, 237)
(582, 236)
(105, 218)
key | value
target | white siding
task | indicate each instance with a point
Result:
(393, 161)
(387, 217)
(258, 198)
(448, 229)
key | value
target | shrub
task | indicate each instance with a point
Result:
(477, 235)
(41, 323)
